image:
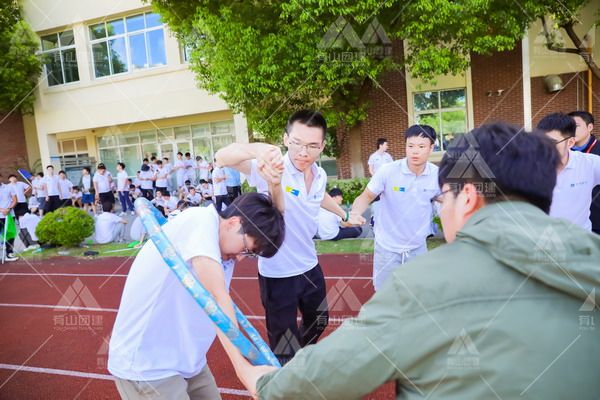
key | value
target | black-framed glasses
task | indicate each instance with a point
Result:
(246, 252)
(560, 141)
(439, 198)
(311, 148)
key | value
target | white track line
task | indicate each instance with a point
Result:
(349, 278)
(90, 375)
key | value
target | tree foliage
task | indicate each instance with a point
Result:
(20, 67)
(268, 58)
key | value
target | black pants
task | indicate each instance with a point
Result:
(147, 193)
(219, 200)
(282, 298)
(348, 233)
(233, 192)
(26, 238)
(107, 197)
(20, 210)
(9, 242)
(53, 203)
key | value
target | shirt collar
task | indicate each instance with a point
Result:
(571, 162)
(291, 168)
(405, 170)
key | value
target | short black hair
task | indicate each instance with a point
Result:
(121, 164)
(558, 122)
(132, 186)
(40, 174)
(158, 162)
(158, 191)
(11, 175)
(311, 118)
(152, 158)
(203, 181)
(187, 182)
(260, 220)
(584, 115)
(88, 169)
(50, 166)
(198, 158)
(380, 142)
(166, 158)
(107, 206)
(179, 153)
(424, 131)
(145, 167)
(336, 192)
(518, 165)
(62, 172)
(187, 154)
(145, 160)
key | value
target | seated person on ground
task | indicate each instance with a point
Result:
(193, 197)
(109, 227)
(76, 197)
(27, 225)
(329, 223)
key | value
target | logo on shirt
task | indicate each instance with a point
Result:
(292, 191)
(399, 189)
(579, 183)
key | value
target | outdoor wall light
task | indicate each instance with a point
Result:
(553, 83)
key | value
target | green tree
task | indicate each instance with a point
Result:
(269, 58)
(20, 67)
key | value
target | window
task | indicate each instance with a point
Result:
(60, 58)
(127, 44)
(445, 111)
(74, 153)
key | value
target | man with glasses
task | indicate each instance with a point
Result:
(455, 323)
(404, 214)
(292, 280)
(578, 173)
(161, 336)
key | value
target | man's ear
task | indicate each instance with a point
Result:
(286, 139)
(472, 199)
(571, 142)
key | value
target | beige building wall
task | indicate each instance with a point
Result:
(164, 96)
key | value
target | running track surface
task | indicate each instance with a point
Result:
(57, 316)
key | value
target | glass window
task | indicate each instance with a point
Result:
(125, 44)
(149, 150)
(182, 132)
(110, 158)
(165, 134)
(148, 136)
(445, 111)
(201, 147)
(81, 144)
(107, 141)
(221, 141)
(60, 58)
(68, 146)
(222, 128)
(129, 138)
(201, 130)
(130, 155)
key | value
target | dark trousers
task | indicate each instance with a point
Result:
(126, 204)
(9, 242)
(107, 197)
(147, 193)
(219, 200)
(233, 192)
(26, 238)
(282, 298)
(53, 203)
(348, 233)
(20, 210)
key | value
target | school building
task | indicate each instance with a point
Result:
(117, 87)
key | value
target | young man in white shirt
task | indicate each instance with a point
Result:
(190, 168)
(168, 167)
(329, 223)
(65, 187)
(405, 211)
(146, 178)
(379, 157)
(161, 177)
(86, 186)
(52, 190)
(123, 190)
(21, 190)
(203, 168)
(39, 191)
(161, 336)
(578, 173)
(220, 187)
(179, 169)
(8, 201)
(27, 225)
(193, 197)
(109, 227)
(102, 185)
(206, 192)
(292, 280)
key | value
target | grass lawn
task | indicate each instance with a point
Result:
(121, 249)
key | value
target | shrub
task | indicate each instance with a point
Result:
(65, 227)
(352, 188)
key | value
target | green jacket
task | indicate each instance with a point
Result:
(508, 310)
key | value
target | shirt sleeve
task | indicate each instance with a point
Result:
(371, 161)
(377, 182)
(596, 168)
(255, 180)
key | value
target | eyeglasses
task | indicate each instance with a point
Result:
(439, 198)
(246, 252)
(311, 148)
(560, 141)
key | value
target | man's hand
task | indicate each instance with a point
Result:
(356, 219)
(4, 211)
(270, 165)
(249, 375)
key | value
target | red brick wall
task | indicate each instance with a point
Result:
(491, 73)
(566, 100)
(343, 160)
(13, 151)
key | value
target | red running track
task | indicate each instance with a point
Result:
(50, 351)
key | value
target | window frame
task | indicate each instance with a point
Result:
(59, 49)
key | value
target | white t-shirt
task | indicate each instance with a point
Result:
(297, 254)
(403, 217)
(206, 191)
(190, 166)
(52, 185)
(30, 222)
(103, 182)
(38, 187)
(329, 224)
(376, 160)
(171, 204)
(86, 182)
(19, 190)
(65, 188)
(572, 194)
(122, 181)
(220, 188)
(76, 195)
(203, 168)
(105, 225)
(195, 199)
(6, 194)
(160, 330)
(145, 179)
(180, 165)
(161, 177)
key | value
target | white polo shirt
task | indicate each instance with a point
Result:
(376, 160)
(297, 254)
(122, 181)
(52, 187)
(220, 188)
(102, 181)
(572, 194)
(329, 224)
(65, 186)
(403, 218)
(6, 194)
(161, 177)
(38, 186)
(146, 179)
(19, 190)
(160, 330)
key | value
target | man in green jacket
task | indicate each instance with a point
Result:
(507, 309)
